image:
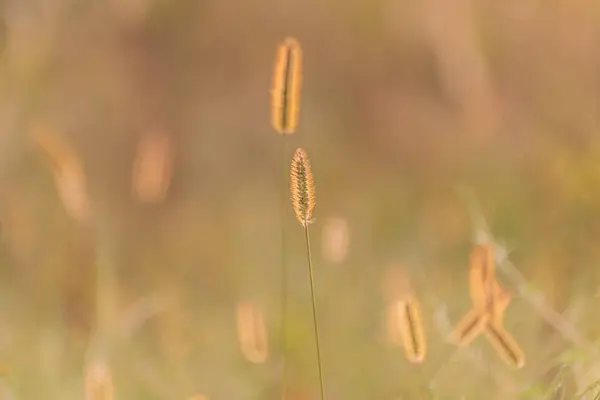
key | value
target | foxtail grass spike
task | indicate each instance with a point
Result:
(482, 276)
(287, 85)
(302, 186)
(476, 320)
(469, 327)
(411, 330)
(505, 345)
(477, 289)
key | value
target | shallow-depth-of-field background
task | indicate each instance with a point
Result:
(405, 104)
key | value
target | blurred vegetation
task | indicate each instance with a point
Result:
(403, 102)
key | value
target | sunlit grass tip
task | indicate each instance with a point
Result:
(287, 85)
(411, 332)
(302, 187)
(505, 345)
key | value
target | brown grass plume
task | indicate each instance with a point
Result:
(287, 85)
(477, 319)
(505, 345)
(490, 301)
(407, 326)
(302, 186)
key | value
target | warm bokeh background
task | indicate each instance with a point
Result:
(403, 103)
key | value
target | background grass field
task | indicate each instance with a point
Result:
(404, 103)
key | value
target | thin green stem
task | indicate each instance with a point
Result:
(284, 276)
(314, 309)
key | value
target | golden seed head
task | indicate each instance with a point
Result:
(286, 89)
(505, 345)
(405, 328)
(471, 325)
(482, 275)
(302, 186)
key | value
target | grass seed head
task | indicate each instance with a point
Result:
(302, 186)
(286, 89)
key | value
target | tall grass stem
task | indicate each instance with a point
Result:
(314, 310)
(284, 272)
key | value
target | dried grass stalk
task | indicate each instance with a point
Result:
(252, 332)
(287, 85)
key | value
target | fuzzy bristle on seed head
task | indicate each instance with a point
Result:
(302, 187)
